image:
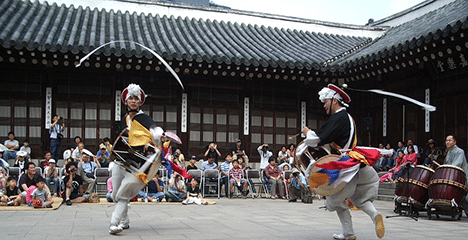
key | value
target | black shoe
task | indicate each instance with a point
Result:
(230, 195)
(48, 206)
(68, 202)
(293, 200)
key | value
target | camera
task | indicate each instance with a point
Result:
(73, 170)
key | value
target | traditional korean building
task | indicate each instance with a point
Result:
(247, 75)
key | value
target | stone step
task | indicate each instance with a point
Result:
(386, 191)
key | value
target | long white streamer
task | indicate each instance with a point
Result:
(141, 45)
(428, 107)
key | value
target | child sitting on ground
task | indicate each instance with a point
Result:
(41, 194)
(193, 194)
(12, 195)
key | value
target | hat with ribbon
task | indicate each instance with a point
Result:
(133, 90)
(333, 92)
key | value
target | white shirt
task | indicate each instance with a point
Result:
(264, 157)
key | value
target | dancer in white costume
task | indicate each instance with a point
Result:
(132, 171)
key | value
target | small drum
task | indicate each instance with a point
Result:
(132, 158)
(448, 183)
(306, 154)
(416, 186)
(326, 189)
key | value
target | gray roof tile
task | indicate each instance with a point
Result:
(45, 27)
(441, 22)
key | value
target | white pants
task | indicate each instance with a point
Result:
(125, 187)
(193, 200)
(362, 191)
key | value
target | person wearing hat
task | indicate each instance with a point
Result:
(21, 161)
(103, 156)
(239, 151)
(298, 186)
(86, 167)
(339, 132)
(51, 175)
(142, 131)
(432, 152)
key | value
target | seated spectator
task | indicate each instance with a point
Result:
(283, 156)
(298, 186)
(210, 164)
(107, 143)
(237, 178)
(76, 141)
(73, 185)
(392, 175)
(388, 160)
(155, 190)
(3, 163)
(103, 156)
(12, 194)
(239, 151)
(51, 175)
(411, 156)
(193, 194)
(86, 169)
(192, 162)
(212, 151)
(26, 148)
(176, 191)
(245, 167)
(178, 158)
(21, 161)
(45, 163)
(41, 198)
(432, 152)
(275, 177)
(415, 147)
(224, 171)
(291, 153)
(68, 152)
(78, 152)
(378, 164)
(3, 178)
(12, 147)
(27, 180)
(109, 190)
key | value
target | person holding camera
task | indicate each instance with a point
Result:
(298, 186)
(86, 168)
(55, 134)
(213, 151)
(265, 155)
(73, 185)
(176, 191)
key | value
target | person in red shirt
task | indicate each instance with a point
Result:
(275, 178)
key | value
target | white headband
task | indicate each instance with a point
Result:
(327, 93)
(134, 90)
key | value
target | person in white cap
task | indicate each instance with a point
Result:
(141, 131)
(339, 132)
(86, 167)
(21, 161)
(51, 175)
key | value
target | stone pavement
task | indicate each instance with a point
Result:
(227, 219)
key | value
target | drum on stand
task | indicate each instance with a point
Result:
(414, 186)
(446, 191)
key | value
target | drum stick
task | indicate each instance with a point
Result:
(294, 136)
(436, 163)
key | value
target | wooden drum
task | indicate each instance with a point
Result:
(415, 186)
(304, 155)
(448, 183)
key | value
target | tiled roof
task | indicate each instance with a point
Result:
(32, 25)
(449, 19)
